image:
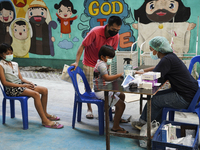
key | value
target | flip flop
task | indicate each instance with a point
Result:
(53, 118)
(56, 125)
(89, 115)
(122, 129)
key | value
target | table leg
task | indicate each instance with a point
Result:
(141, 100)
(148, 122)
(107, 121)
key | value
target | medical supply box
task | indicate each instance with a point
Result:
(181, 129)
(151, 75)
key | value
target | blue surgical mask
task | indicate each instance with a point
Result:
(9, 57)
(109, 61)
(155, 57)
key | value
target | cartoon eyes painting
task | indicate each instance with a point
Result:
(161, 11)
(20, 30)
(21, 33)
(6, 15)
(65, 11)
(37, 14)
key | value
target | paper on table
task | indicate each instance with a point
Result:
(127, 80)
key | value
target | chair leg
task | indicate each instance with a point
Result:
(4, 111)
(198, 113)
(171, 115)
(12, 108)
(101, 119)
(79, 112)
(24, 107)
(74, 115)
(164, 114)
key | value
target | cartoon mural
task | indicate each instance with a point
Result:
(164, 18)
(7, 15)
(40, 19)
(21, 32)
(174, 19)
(65, 11)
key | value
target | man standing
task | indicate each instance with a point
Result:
(97, 37)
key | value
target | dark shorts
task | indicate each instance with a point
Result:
(15, 91)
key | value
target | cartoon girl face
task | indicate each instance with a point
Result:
(20, 32)
(6, 16)
(37, 15)
(161, 10)
(65, 12)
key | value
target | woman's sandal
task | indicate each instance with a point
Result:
(89, 115)
(53, 118)
(56, 125)
(118, 130)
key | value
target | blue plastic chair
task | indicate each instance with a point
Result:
(23, 100)
(192, 62)
(87, 97)
(192, 108)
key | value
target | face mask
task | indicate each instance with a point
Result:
(153, 56)
(9, 57)
(109, 61)
(112, 33)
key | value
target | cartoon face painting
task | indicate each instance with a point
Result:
(65, 12)
(37, 15)
(6, 15)
(161, 10)
(166, 18)
(20, 30)
(40, 20)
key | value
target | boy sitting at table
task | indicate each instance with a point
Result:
(106, 54)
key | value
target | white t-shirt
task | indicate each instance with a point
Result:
(11, 74)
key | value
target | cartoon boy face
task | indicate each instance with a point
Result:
(37, 15)
(20, 31)
(6, 15)
(65, 12)
(161, 10)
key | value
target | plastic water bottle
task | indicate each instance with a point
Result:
(128, 68)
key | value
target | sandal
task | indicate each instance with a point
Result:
(53, 118)
(89, 115)
(118, 130)
(56, 125)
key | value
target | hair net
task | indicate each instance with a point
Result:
(160, 44)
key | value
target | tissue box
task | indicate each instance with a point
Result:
(151, 75)
(151, 81)
(145, 85)
(158, 144)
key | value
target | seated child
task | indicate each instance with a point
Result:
(17, 86)
(106, 53)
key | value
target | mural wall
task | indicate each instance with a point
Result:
(53, 30)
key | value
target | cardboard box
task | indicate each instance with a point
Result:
(151, 75)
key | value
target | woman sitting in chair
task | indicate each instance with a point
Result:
(16, 85)
(183, 85)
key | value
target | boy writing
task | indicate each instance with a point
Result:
(106, 54)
